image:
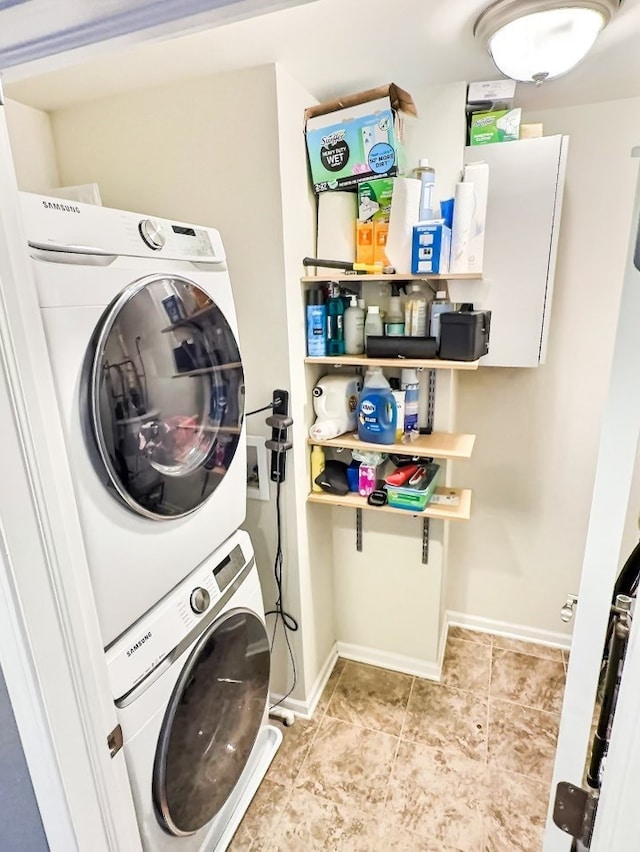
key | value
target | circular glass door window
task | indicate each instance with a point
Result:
(166, 395)
(211, 723)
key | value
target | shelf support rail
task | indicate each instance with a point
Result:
(359, 530)
(431, 400)
(425, 541)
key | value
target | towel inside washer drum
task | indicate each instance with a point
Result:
(212, 722)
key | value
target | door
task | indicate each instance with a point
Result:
(614, 472)
(212, 722)
(165, 396)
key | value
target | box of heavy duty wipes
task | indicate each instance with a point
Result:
(357, 137)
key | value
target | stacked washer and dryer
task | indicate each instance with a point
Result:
(142, 337)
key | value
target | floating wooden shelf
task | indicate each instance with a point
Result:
(399, 363)
(195, 316)
(439, 445)
(235, 365)
(437, 511)
(396, 276)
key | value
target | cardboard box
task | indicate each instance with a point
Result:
(380, 234)
(431, 249)
(364, 242)
(357, 137)
(374, 200)
(499, 126)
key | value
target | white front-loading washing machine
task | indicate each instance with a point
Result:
(142, 335)
(191, 681)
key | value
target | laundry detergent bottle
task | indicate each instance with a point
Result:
(377, 412)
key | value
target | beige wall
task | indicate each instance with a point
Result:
(32, 147)
(538, 430)
(207, 151)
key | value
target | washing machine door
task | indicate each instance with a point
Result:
(212, 722)
(165, 395)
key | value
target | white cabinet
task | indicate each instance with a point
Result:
(526, 184)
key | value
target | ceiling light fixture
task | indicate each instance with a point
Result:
(537, 40)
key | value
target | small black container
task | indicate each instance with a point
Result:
(464, 335)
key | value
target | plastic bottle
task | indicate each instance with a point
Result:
(354, 329)
(440, 305)
(377, 413)
(317, 466)
(411, 387)
(335, 321)
(373, 323)
(316, 325)
(394, 320)
(415, 313)
(427, 177)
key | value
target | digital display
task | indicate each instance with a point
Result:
(226, 571)
(221, 566)
(180, 229)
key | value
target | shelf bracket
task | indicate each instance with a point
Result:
(431, 400)
(359, 530)
(425, 541)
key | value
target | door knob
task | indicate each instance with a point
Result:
(566, 613)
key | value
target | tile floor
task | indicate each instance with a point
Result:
(393, 762)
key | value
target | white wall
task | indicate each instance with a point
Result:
(207, 151)
(32, 147)
(534, 462)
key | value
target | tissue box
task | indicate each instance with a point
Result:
(430, 249)
(357, 137)
(500, 126)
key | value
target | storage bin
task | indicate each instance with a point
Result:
(464, 335)
(413, 499)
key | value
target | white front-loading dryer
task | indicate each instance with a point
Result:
(142, 336)
(190, 681)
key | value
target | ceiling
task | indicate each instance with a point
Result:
(334, 47)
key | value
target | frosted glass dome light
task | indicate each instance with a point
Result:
(537, 40)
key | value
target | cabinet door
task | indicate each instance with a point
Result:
(526, 180)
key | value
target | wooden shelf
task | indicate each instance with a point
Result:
(399, 363)
(235, 365)
(396, 276)
(440, 445)
(438, 511)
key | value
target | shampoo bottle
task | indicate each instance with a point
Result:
(335, 321)
(354, 328)
(394, 320)
(373, 324)
(316, 325)
(427, 177)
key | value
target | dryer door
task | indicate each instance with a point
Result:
(166, 395)
(212, 722)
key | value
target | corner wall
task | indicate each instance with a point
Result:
(538, 430)
(32, 147)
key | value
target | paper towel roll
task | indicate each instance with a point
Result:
(478, 175)
(405, 206)
(461, 232)
(337, 214)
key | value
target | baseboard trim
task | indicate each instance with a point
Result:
(306, 709)
(386, 660)
(510, 631)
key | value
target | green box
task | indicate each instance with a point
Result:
(500, 126)
(374, 200)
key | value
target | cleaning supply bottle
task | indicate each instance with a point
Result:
(316, 324)
(427, 177)
(317, 466)
(373, 324)
(354, 329)
(439, 306)
(394, 320)
(415, 313)
(411, 387)
(335, 321)
(377, 413)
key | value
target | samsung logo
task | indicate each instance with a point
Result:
(139, 644)
(65, 208)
